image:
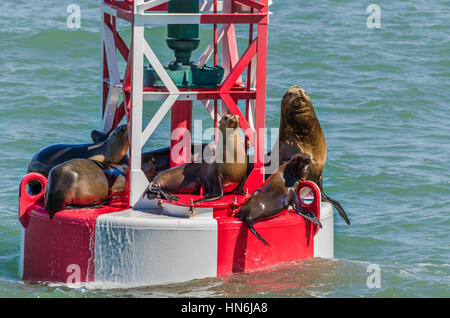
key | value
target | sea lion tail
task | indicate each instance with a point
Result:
(338, 207)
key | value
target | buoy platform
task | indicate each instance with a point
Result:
(156, 243)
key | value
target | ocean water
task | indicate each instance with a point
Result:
(381, 95)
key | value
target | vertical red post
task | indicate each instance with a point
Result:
(216, 62)
(105, 85)
(249, 71)
(215, 36)
(181, 133)
(256, 178)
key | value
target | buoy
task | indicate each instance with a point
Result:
(137, 241)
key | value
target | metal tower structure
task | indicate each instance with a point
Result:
(226, 14)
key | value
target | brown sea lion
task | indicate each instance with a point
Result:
(225, 174)
(300, 132)
(161, 157)
(156, 161)
(277, 193)
(111, 151)
(83, 182)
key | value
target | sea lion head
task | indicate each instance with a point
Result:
(299, 165)
(297, 113)
(117, 144)
(149, 169)
(233, 150)
(295, 101)
(229, 121)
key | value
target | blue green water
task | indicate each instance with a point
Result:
(381, 95)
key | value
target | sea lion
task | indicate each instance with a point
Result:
(156, 161)
(225, 174)
(83, 182)
(161, 157)
(112, 150)
(277, 193)
(300, 132)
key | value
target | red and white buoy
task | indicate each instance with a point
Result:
(165, 243)
(136, 241)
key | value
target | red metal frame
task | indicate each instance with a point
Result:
(232, 89)
(181, 128)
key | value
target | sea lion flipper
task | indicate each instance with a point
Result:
(98, 136)
(209, 197)
(336, 204)
(57, 189)
(152, 191)
(172, 196)
(338, 207)
(214, 191)
(252, 229)
(308, 215)
(166, 195)
(240, 188)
